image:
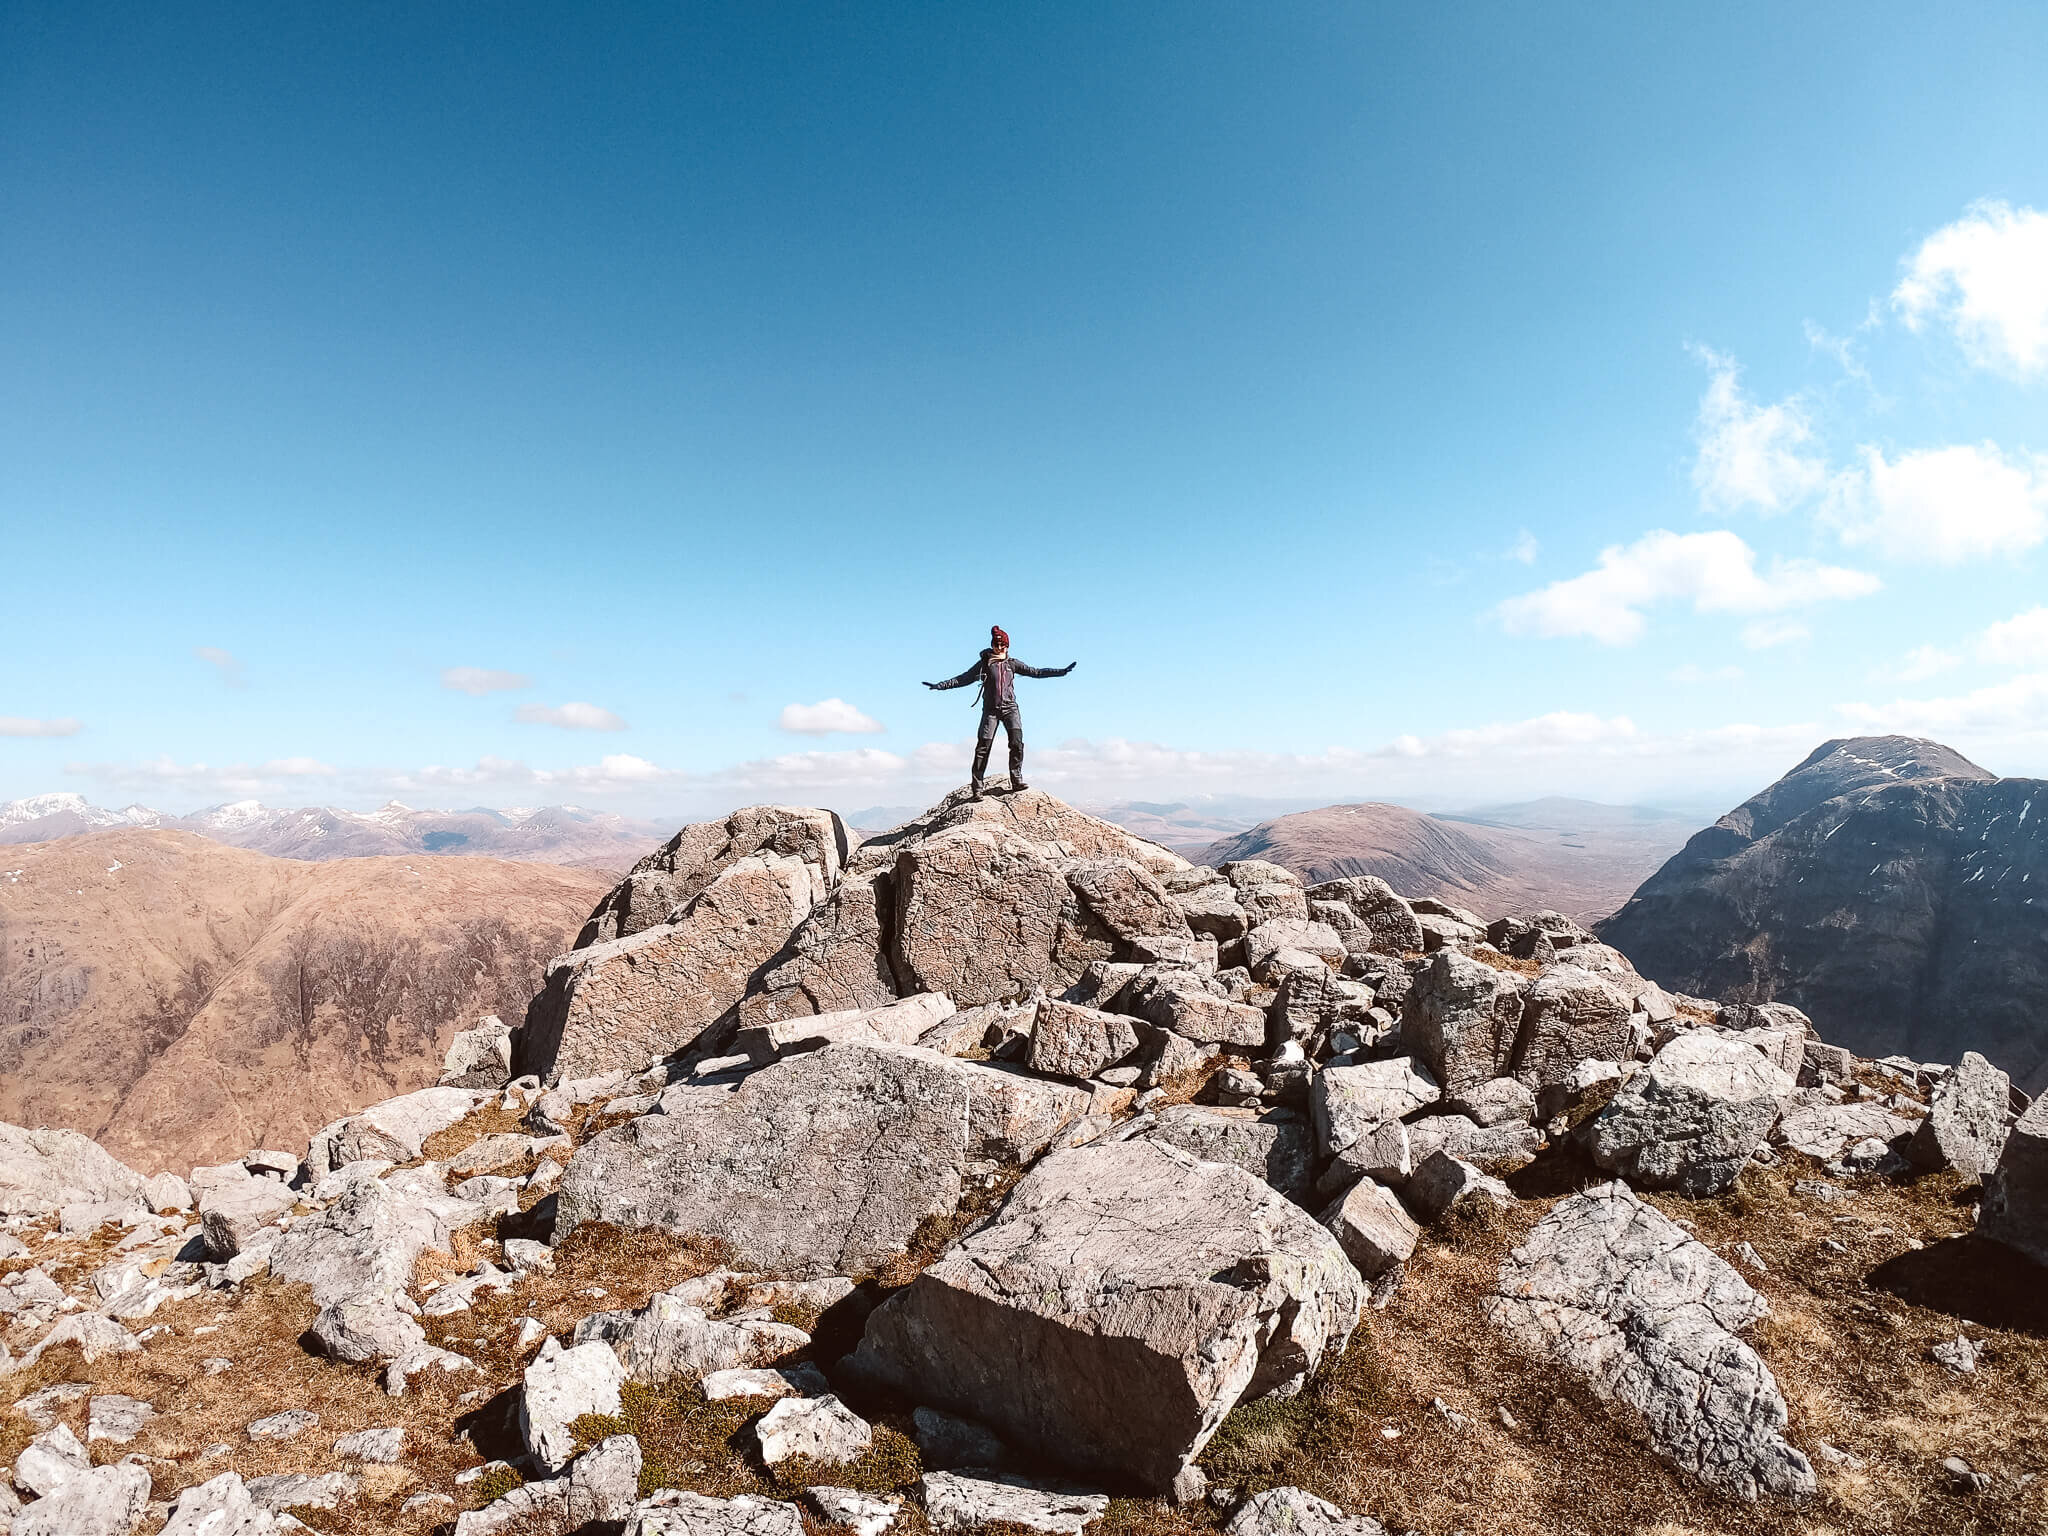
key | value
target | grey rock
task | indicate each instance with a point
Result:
(946, 1441)
(821, 1164)
(1121, 1301)
(1965, 1127)
(1958, 1355)
(233, 1215)
(117, 1418)
(1498, 1101)
(1213, 910)
(662, 885)
(106, 1501)
(289, 1425)
(282, 1491)
(1692, 1118)
(1387, 917)
(369, 1239)
(49, 1461)
(220, 1506)
(1273, 1145)
(42, 1171)
(670, 1339)
(392, 1131)
(2014, 1210)
(629, 1001)
(837, 959)
(1503, 1147)
(675, 1512)
(791, 1381)
(1608, 1287)
(1283, 942)
(1129, 902)
(862, 1513)
(954, 1502)
(1373, 1227)
(1290, 1511)
(1195, 1009)
(42, 1408)
(480, 1056)
(166, 1193)
(1442, 1184)
(384, 1446)
(1349, 1102)
(369, 1326)
(1825, 1131)
(96, 1338)
(1462, 1019)
(1569, 1015)
(814, 1428)
(1071, 1041)
(559, 1387)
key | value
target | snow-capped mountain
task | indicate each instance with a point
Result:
(556, 834)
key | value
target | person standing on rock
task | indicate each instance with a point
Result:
(997, 673)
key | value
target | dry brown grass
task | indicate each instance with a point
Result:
(488, 1120)
(1501, 962)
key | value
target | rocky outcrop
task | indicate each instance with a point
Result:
(42, 1171)
(1966, 1120)
(2015, 1205)
(820, 1164)
(1120, 1303)
(629, 1001)
(1867, 886)
(1609, 1288)
(1692, 1118)
(1463, 1019)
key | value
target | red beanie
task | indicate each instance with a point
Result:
(998, 636)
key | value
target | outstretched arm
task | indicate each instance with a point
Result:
(961, 681)
(1024, 671)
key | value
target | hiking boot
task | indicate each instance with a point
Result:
(1018, 785)
(974, 790)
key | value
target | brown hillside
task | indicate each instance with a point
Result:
(1571, 856)
(181, 1001)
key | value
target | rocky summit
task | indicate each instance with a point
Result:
(1006, 1169)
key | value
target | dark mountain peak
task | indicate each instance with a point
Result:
(1849, 765)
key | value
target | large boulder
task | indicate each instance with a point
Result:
(559, 1387)
(661, 885)
(1570, 1015)
(480, 1056)
(630, 1001)
(820, 1164)
(369, 1237)
(984, 915)
(672, 1338)
(1463, 1019)
(42, 1171)
(107, 1501)
(1127, 901)
(1692, 1118)
(1386, 917)
(2015, 1206)
(1610, 1288)
(392, 1132)
(1036, 817)
(837, 959)
(1275, 1145)
(1352, 1104)
(1071, 1041)
(1123, 1299)
(1965, 1126)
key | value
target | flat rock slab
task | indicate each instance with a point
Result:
(1290, 1511)
(106, 1501)
(819, 1429)
(392, 1131)
(1275, 1145)
(368, 1240)
(674, 1512)
(559, 1388)
(1610, 1288)
(820, 1164)
(864, 1514)
(42, 1171)
(953, 1502)
(1123, 1299)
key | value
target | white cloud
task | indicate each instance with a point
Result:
(2020, 641)
(21, 725)
(2019, 704)
(1947, 505)
(1751, 455)
(1716, 572)
(299, 768)
(1923, 662)
(238, 780)
(571, 717)
(1763, 634)
(1693, 673)
(1525, 548)
(478, 681)
(230, 669)
(1986, 277)
(826, 717)
(611, 774)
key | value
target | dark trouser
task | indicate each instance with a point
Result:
(985, 738)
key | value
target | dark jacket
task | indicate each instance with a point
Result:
(997, 676)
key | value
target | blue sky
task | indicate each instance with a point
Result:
(518, 404)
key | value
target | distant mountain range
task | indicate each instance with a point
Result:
(1576, 856)
(554, 834)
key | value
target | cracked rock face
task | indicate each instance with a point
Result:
(1292, 1511)
(1386, 916)
(1570, 1015)
(1692, 1119)
(368, 1240)
(1124, 1298)
(44, 1170)
(954, 1502)
(1274, 1145)
(1965, 1125)
(673, 1512)
(1610, 1288)
(2015, 1209)
(629, 1001)
(821, 1164)
(1462, 1019)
